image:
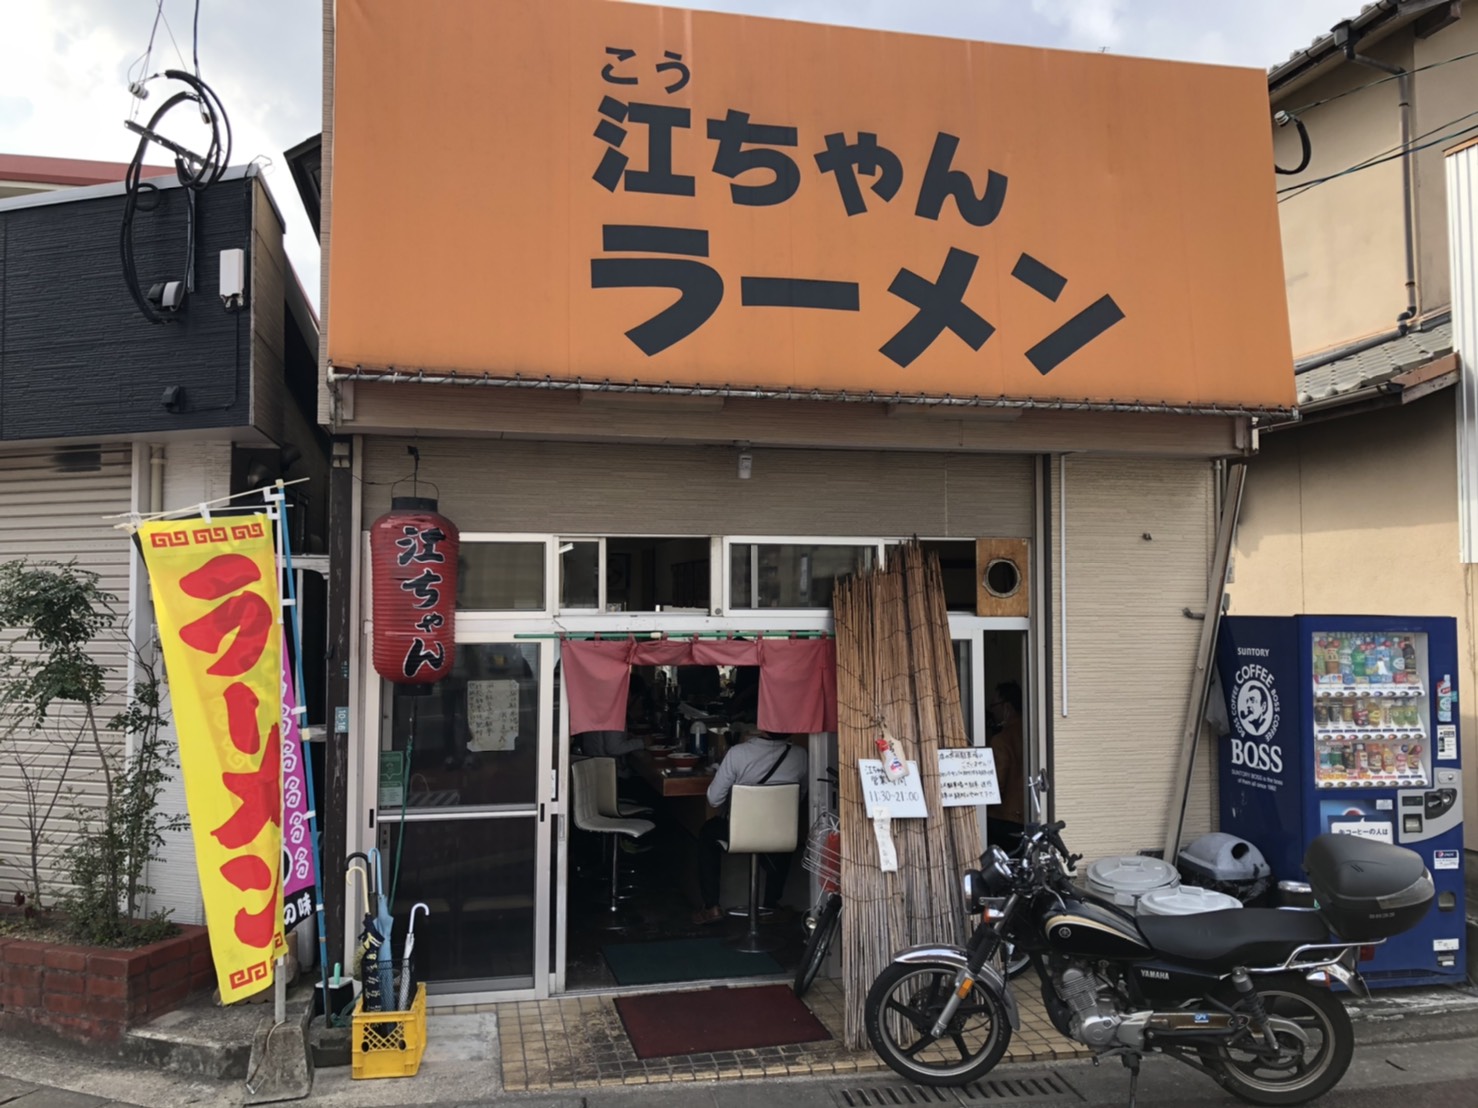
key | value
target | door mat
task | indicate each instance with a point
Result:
(683, 960)
(706, 1021)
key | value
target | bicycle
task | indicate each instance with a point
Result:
(823, 857)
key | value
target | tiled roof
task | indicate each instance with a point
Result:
(1375, 366)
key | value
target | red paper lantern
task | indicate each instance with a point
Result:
(413, 552)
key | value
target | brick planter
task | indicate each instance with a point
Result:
(94, 994)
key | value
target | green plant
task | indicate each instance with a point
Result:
(108, 859)
(55, 612)
(59, 616)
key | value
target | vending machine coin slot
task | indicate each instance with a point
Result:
(1439, 801)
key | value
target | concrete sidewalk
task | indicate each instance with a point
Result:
(1421, 1048)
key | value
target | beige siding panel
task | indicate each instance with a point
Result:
(1130, 649)
(1313, 540)
(577, 488)
(51, 509)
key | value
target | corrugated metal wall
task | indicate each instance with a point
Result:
(581, 488)
(51, 508)
(1139, 535)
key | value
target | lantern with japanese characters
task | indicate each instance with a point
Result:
(413, 552)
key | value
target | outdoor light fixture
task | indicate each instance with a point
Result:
(746, 465)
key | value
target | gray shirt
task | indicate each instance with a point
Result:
(746, 763)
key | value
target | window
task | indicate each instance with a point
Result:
(791, 575)
(657, 574)
(579, 574)
(957, 567)
(501, 577)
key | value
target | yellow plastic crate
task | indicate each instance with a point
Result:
(389, 1044)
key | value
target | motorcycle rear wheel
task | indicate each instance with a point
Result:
(904, 1003)
(1308, 1071)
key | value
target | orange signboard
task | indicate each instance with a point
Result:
(601, 190)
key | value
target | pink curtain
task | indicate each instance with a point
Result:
(798, 679)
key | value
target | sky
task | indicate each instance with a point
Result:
(65, 64)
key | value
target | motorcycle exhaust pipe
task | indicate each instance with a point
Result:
(1193, 1025)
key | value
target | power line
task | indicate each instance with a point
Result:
(1380, 159)
(1380, 81)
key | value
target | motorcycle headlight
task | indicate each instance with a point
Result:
(989, 883)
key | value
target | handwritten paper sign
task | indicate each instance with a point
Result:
(967, 777)
(887, 852)
(492, 715)
(898, 799)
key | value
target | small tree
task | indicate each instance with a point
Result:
(60, 611)
(107, 860)
(55, 612)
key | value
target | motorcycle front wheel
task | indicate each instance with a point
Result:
(1307, 1066)
(902, 1007)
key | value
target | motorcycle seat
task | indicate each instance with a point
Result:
(1233, 937)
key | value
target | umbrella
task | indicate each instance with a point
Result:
(367, 959)
(405, 958)
(385, 923)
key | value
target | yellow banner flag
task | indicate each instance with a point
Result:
(216, 601)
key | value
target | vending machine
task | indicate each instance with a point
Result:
(1348, 724)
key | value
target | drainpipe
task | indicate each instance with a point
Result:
(156, 479)
(1343, 37)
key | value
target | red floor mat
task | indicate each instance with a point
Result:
(705, 1021)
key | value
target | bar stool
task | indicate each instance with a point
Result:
(608, 803)
(763, 819)
(585, 777)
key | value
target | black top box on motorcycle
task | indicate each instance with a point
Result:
(1367, 890)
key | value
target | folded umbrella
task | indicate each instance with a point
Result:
(385, 924)
(368, 949)
(405, 957)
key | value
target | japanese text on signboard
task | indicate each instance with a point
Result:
(764, 161)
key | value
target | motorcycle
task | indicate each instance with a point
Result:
(1242, 995)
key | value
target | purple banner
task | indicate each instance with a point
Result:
(297, 842)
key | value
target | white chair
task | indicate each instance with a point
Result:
(763, 819)
(585, 779)
(607, 802)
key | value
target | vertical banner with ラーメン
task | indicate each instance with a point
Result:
(216, 602)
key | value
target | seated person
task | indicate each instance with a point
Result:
(762, 759)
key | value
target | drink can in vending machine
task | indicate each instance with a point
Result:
(1321, 713)
(1374, 714)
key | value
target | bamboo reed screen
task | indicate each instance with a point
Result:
(895, 667)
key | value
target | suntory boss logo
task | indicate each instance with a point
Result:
(1255, 718)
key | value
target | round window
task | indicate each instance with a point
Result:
(1002, 579)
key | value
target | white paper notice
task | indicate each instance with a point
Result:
(1380, 832)
(1447, 742)
(1446, 859)
(967, 777)
(902, 799)
(887, 853)
(492, 714)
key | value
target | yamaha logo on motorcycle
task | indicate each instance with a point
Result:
(1241, 995)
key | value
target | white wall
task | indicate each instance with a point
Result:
(193, 472)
